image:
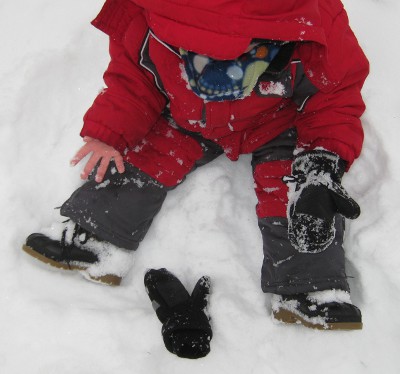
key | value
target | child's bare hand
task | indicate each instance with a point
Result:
(100, 152)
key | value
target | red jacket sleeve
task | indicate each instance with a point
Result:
(331, 118)
(123, 113)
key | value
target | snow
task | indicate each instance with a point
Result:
(327, 296)
(57, 322)
(272, 88)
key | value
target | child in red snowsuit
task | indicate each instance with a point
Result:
(190, 81)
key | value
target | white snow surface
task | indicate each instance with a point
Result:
(57, 322)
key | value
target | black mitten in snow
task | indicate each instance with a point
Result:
(315, 196)
(186, 328)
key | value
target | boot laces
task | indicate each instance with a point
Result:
(78, 233)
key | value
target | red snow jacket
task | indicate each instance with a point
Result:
(317, 90)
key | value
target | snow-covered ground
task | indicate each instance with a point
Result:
(53, 322)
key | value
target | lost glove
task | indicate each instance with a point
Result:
(186, 328)
(315, 197)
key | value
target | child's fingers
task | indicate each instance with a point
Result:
(90, 165)
(100, 151)
(101, 170)
(119, 163)
(82, 152)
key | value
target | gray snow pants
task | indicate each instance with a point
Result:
(121, 209)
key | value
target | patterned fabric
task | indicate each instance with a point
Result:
(219, 80)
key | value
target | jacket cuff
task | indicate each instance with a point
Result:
(115, 18)
(104, 134)
(344, 151)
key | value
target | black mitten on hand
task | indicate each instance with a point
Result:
(315, 196)
(186, 328)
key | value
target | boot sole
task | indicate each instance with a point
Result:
(286, 316)
(108, 279)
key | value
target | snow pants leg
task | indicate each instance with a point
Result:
(284, 269)
(121, 209)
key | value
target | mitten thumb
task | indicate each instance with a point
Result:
(345, 205)
(201, 293)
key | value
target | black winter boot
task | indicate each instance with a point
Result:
(186, 329)
(75, 249)
(322, 315)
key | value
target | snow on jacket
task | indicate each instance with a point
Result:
(317, 90)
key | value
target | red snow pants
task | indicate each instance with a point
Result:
(169, 153)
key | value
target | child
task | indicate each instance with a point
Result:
(189, 81)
